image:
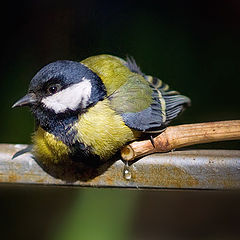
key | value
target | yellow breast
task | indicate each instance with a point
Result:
(47, 148)
(103, 130)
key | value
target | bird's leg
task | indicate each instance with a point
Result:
(152, 141)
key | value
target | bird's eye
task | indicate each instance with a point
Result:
(53, 88)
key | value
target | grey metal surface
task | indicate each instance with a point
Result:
(192, 169)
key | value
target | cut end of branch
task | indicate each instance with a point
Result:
(127, 153)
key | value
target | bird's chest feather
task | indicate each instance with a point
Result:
(103, 130)
(100, 129)
(47, 148)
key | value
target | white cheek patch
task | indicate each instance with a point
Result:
(69, 98)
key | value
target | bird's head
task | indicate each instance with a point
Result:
(62, 88)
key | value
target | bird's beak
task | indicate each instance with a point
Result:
(27, 100)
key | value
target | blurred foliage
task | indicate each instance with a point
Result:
(191, 45)
(100, 214)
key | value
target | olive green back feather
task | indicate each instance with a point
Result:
(110, 69)
(126, 90)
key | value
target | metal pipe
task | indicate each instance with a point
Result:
(188, 169)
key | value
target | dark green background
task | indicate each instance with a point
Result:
(191, 45)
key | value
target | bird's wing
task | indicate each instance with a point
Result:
(144, 102)
(139, 111)
(143, 113)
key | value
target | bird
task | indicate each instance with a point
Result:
(87, 111)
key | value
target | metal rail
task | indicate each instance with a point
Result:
(191, 169)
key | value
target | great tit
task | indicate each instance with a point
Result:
(88, 110)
